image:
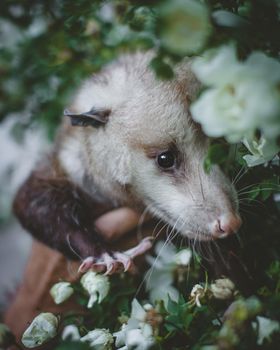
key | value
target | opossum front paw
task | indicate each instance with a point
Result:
(109, 264)
(117, 261)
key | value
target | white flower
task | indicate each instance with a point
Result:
(70, 332)
(197, 293)
(185, 26)
(99, 339)
(137, 334)
(228, 19)
(243, 96)
(134, 338)
(140, 339)
(223, 288)
(96, 285)
(164, 293)
(43, 328)
(261, 150)
(265, 328)
(61, 291)
(183, 257)
(162, 271)
(217, 67)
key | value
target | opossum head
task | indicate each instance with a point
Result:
(145, 147)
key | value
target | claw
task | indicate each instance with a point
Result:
(117, 262)
(86, 264)
(110, 262)
(125, 260)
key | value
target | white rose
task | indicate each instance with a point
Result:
(185, 26)
(61, 291)
(96, 285)
(222, 112)
(243, 96)
(43, 328)
(183, 257)
(70, 332)
(99, 339)
(261, 150)
(217, 67)
(223, 288)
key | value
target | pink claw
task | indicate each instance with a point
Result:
(125, 260)
(110, 263)
(86, 264)
(118, 261)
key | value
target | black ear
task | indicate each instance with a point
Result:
(93, 117)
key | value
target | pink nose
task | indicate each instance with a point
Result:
(226, 225)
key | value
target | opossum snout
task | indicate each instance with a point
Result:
(226, 225)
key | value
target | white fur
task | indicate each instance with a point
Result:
(147, 112)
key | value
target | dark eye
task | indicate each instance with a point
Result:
(166, 160)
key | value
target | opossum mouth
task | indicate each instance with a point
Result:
(161, 213)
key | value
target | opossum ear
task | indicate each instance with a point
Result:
(93, 117)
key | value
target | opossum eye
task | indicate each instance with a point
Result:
(166, 160)
(93, 117)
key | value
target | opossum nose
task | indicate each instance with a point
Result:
(226, 225)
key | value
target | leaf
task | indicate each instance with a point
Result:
(73, 345)
(172, 306)
(217, 154)
(162, 69)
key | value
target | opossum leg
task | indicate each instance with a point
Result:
(141, 248)
(118, 261)
(61, 215)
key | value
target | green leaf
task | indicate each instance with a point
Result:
(162, 69)
(73, 345)
(217, 154)
(172, 306)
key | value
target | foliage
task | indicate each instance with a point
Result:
(48, 47)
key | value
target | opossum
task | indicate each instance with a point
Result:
(127, 139)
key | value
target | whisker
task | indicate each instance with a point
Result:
(239, 175)
(200, 183)
(151, 270)
(259, 189)
(71, 248)
(141, 222)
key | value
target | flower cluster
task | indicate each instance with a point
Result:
(137, 333)
(143, 328)
(95, 285)
(98, 339)
(243, 97)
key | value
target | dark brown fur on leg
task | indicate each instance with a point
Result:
(59, 214)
